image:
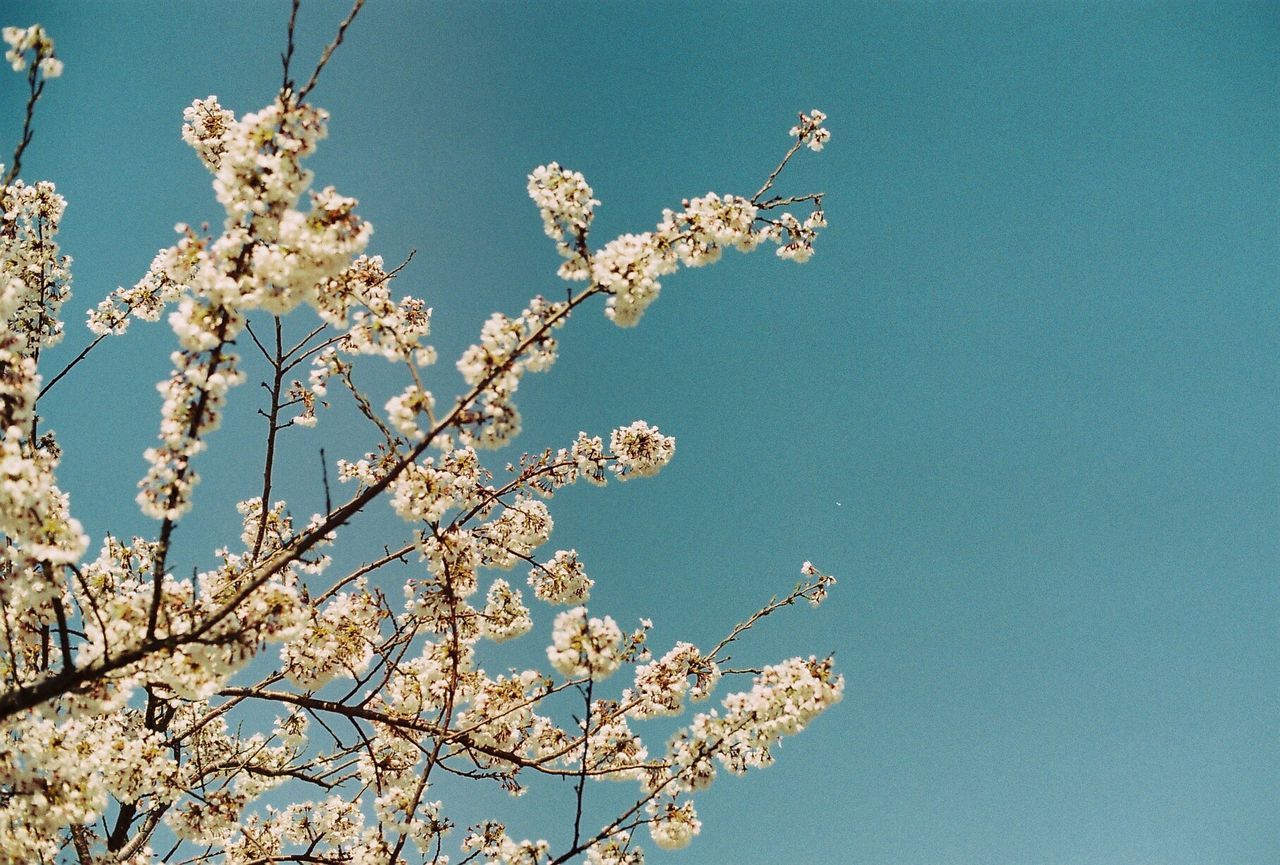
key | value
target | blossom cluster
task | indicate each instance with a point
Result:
(35, 281)
(194, 396)
(34, 39)
(337, 640)
(640, 450)
(380, 325)
(269, 256)
(34, 277)
(585, 647)
(565, 201)
(810, 131)
(508, 348)
(629, 268)
(165, 281)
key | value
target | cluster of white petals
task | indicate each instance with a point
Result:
(629, 268)
(427, 489)
(380, 325)
(661, 685)
(640, 451)
(810, 130)
(338, 639)
(613, 751)
(783, 700)
(562, 580)
(516, 532)
(615, 851)
(49, 784)
(504, 616)
(508, 348)
(582, 646)
(564, 200)
(35, 40)
(491, 843)
(332, 823)
(206, 126)
(499, 712)
(194, 396)
(796, 237)
(35, 278)
(404, 410)
(35, 281)
(165, 281)
(425, 682)
(673, 826)
(34, 513)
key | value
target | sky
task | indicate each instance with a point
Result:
(1023, 401)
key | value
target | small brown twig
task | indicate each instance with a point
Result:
(329, 49)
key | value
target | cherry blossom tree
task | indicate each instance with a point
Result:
(275, 708)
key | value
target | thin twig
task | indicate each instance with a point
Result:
(329, 49)
(582, 773)
(272, 430)
(324, 478)
(27, 133)
(66, 369)
(768, 184)
(287, 57)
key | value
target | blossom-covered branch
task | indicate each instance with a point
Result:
(128, 687)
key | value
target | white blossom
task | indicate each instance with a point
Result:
(562, 580)
(640, 450)
(31, 39)
(585, 647)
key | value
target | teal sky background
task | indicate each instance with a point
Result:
(1022, 402)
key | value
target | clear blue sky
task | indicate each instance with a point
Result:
(1023, 402)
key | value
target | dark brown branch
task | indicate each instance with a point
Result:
(582, 773)
(34, 91)
(287, 57)
(272, 430)
(329, 49)
(66, 369)
(324, 478)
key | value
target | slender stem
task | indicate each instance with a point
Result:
(34, 91)
(324, 479)
(329, 49)
(803, 590)
(272, 430)
(64, 639)
(287, 57)
(66, 369)
(768, 184)
(582, 773)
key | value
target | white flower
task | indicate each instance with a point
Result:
(34, 39)
(504, 616)
(673, 826)
(585, 647)
(403, 410)
(640, 450)
(810, 130)
(563, 580)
